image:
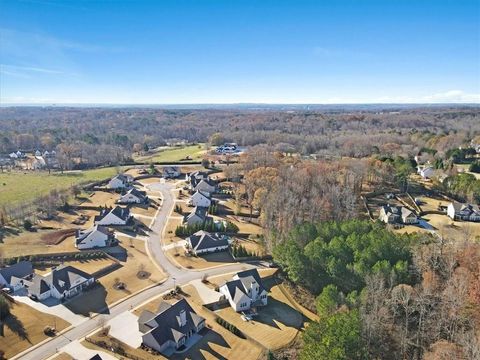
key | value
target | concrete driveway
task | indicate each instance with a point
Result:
(124, 327)
(207, 294)
(51, 306)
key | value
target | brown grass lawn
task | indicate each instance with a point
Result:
(29, 243)
(218, 342)
(221, 279)
(149, 181)
(253, 246)
(200, 262)
(143, 210)
(89, 266)
(101, 198)
(185, 208)
(65, 220)
(99, 336)
(63, 356)
(170, 230)
(30, 322)
(276, 325)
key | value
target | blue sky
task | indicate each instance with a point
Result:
(206, 51)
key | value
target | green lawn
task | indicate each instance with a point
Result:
(175, 154)
(24, 186)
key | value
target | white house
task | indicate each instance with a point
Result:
(171, 172)
(245, 291)
(465, 212)
(195, 177)
(133, 196)
(120, 181)
(172, 326)
(16, 275)
(95, 237)
(391, 214)
(116, 216)
(205, 186)
(203, 242)
(197, 216)
(62, 283)
(200, 199)
(426, 172)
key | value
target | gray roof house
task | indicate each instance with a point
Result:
(133, 196)
(170, 172)
(204, 242)
(245, 291)
(198, 215)
(63, 282)
(465, 212)
(115, 216)
(391, 214)
(171, 327)
(16, 275)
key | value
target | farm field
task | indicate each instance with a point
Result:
(24, 328)
(22, 186)
(174, 154)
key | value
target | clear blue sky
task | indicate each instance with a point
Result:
(225, 51)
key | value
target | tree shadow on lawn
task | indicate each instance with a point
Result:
(91, 301)
(15, 326)
(195, 352)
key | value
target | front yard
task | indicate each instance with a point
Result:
(24, 328)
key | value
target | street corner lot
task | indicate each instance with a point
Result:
(216, 342)
(24, 328)
(276, 324)
(177, 254)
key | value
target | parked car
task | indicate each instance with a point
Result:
(7, 290)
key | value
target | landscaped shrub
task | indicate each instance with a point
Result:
(27, 225)
(230, 327)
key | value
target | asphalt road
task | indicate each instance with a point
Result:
(154, 242)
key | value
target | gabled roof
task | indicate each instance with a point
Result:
(242, 282)
(137, 193)
(83, 234)
(166, 324)
(200, 192)
(199, 211)
(19, 270)
(121, 213)
(206, 181)
(466, 208)
(63, 277)
(202, 240)
(39, 285)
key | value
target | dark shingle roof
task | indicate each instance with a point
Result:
(204, 240)
(166, 324)
(81, 235)
(38, 286)
(63, 277)
(244, 282)
(121, 213)
(20, 270)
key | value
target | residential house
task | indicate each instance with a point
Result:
(245, 291)
(426, 172)
(465, 212)
(203, 242)
(133, 196)
(95, 237)
(115, 216)
(195, 177)
(391, 214)
(206, 186)
(199, 215)
(17, 275)
(38, 153)
(120, 181)
(171, 327)
(62, 283)
(201, 199)
(171, 172)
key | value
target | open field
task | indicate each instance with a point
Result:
(24, 328)
(170, 229)
(195, 152)
(30, 243)
(24, 186)
(63, 356)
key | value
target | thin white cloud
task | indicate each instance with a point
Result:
(458, 96)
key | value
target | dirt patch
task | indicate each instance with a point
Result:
(143, 275)
(56, 237)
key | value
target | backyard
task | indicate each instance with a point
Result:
(195, 152)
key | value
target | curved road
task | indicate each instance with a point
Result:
(155, 247)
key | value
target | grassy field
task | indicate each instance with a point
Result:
(195, 152)
(24, 186)
(24, 328)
